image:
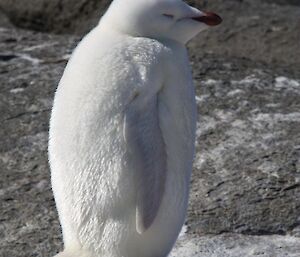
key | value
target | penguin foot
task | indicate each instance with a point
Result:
(74, 254)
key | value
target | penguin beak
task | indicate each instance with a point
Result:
(209, 18)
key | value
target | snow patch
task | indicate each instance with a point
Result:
(27, 57)
(210, 82)
(183, 231)
(224, 116)
(278, 117)
(16, 90)
(201, 98)
(31, 48)
(235, 92)
(206, 123)
(284, 82)
(249, 80)
(199, 160)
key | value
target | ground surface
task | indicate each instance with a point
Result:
(245, 188)
(236, 245)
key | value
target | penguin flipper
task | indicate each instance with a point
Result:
(147, 155)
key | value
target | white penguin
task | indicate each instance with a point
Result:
(122, 131)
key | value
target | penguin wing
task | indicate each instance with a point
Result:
(147, 158)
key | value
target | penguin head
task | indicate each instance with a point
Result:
(158, 19)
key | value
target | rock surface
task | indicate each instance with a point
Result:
(248, 148)
(235, 245)
(255, 29)
(30, 67)
(246, 175)
(55, 15)
(80, 15)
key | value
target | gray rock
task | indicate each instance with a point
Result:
(234, 245)
(255, 30)
(284, 2)
(4, 21)
(247, 170)
(30, 67)
(56, 15)
(266, 33)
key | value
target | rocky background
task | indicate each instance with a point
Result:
(245, 189)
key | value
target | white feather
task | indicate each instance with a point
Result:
(121, 144)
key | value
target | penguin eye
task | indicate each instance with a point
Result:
(170, 16)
